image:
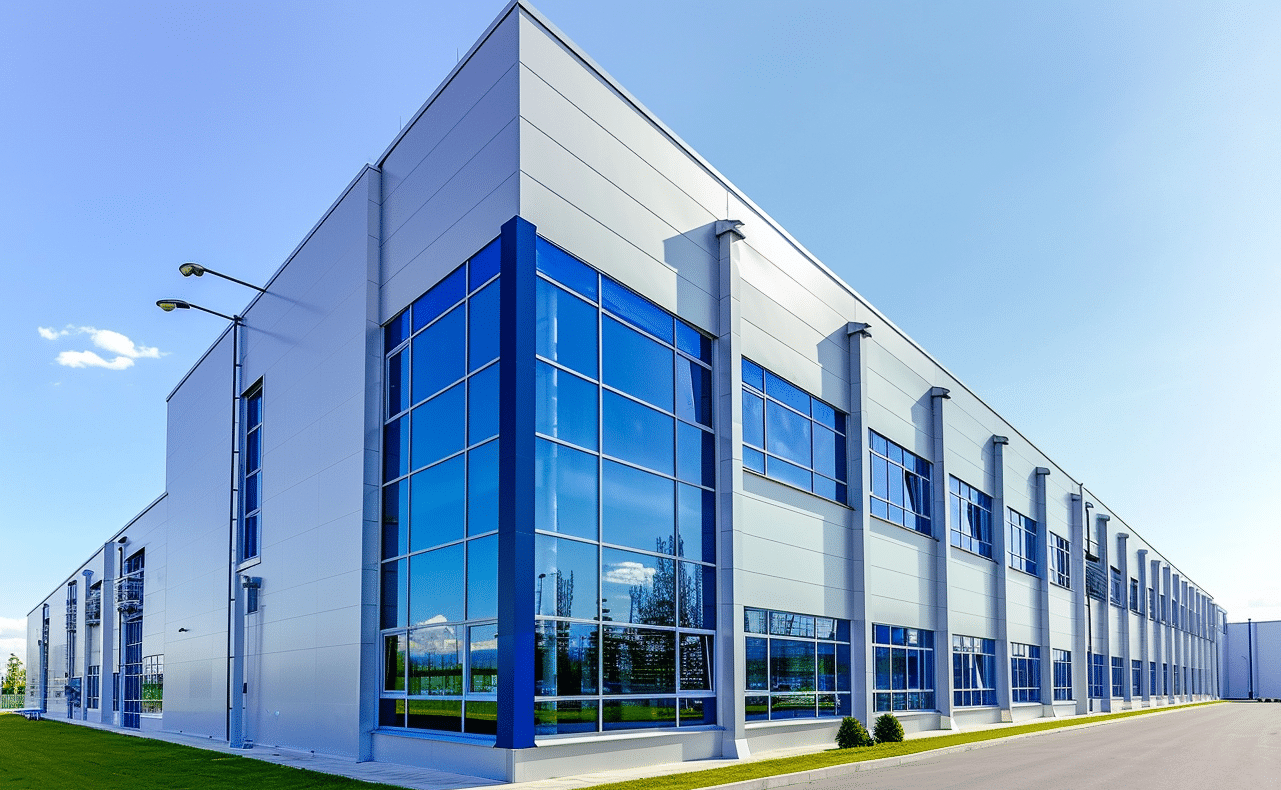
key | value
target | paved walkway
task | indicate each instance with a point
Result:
(428, 779)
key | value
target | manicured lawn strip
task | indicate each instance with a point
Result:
(49, 755)
(806, 762)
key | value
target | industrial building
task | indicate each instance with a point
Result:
(547, 450)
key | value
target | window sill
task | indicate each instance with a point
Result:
(249, 563)
(900, 526)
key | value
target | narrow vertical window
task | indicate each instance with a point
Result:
(971, 518)
(1062, 675)
(251, 485)
(1023, 542)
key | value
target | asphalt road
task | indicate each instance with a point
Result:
(1216, 747)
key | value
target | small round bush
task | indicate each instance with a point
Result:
(852, 733)
(888, 729)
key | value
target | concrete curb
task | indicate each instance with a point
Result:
(833, 771)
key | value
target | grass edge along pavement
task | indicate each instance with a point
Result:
(54, 754)
(830, 758)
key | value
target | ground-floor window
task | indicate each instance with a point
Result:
(973, 671)
(1098, 674)
(1025, 672)
(1136, 677)
(1152, 678)
(153, 684)
(441, 677)
(798, 665)
(1062, 674)
(1165, 679)
(93, 686)
(1118, 676)
(904, 668)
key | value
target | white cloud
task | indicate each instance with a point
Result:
(124, 349)
(630, 574)
(88, 359)
(13, 639)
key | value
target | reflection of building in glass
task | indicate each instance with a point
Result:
(551, 452)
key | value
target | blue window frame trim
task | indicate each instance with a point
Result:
(251, 476)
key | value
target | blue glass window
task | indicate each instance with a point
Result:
(903, 661)
(791, 436)
(642, 661)
(693, 342)
(696, 522)
(565, 663)
(484, 265)
(437, 504)
(566, 269)
(482, 326)
(1023, 542)
(1025, 672)
(396, 448)
(482, 405)
(437, 427)
(397, 392)
(636, 364)
(696, 594)
(638, 509)
(693, 392)
(436, 586)
(482, 578)
(444, 295)
(566, 329)
(797, 659)
(566, 406)
(900, 485)
(695, 455)
(442, 350)
(973, 671)
(637, 311)
(565, 582)
(396, 519)
(251, 482)
(1063, 675)
(637, 588)
(638, 434)
(566, 488)
(971, 518)
(482, 489)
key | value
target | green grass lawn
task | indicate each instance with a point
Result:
(48, 755)
(806, 762)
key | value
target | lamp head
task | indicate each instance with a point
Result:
(169, 305)
(189, 269)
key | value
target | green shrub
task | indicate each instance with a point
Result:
(852, 733)
(888, 729)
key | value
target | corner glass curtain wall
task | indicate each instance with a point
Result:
(624, 510)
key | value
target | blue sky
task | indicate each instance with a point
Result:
(1073, 206)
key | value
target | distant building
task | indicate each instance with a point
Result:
(546, 435)
(1251, 663)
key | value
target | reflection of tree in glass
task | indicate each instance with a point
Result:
(655, 603)
(435, 666)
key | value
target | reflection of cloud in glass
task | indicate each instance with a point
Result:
(436, 618)
(630, 574)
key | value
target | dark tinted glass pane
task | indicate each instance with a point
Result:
(396, 448)
(438, 426)
(484, 264)
(791, 665)
(693, 392)
(482, 489)
(637, 588)
(253, 451)
(697, 591)
(481, 717)
(753, 419)
(437, 504)
(693, 342)
(565, 716)
(396, 519)
(698, 711)
(482, 405)
(395, 333)
(391, 713)
(483, 646)
(792, 706)
(756, 655)
(826, 666)
(636, 364)
(482, 321)
(566, 406)
(439, 352)
(637, 433)
(394, 662)
(566, 269)
(482, 578)
(397, 392)
(639, 661)
(632, 714)
(566, 329)
(756, 708)
(636, 310)
(696, 455)
(696, 524)
(395, 586)
(565, 490)
(565, 658)
(565, 578)
(444, 295)
(639, 509)
(436, 585)
(697, 662)
(435, 661)
(843, 669)
(435, 714)
(251, 493)
(788, 434)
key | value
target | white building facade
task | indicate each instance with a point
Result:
(547, 450)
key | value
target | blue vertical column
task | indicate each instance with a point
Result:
(516, 487)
